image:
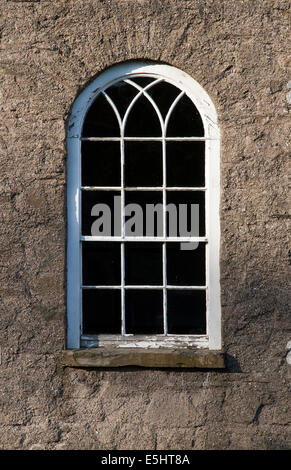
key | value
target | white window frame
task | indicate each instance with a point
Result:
(212, 340)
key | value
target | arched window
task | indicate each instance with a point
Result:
(143, 211)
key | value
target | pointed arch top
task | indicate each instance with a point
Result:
(160, 72)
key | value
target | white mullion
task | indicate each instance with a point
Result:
(171, 139)
(122, 251)
(143, 91)
(165, 320)
(80, 254)
(176, 100)
(186, 287)
(101, 287)
(142, 188)
(93, 238)
(142, 286)
(122, 259)
(192, 139)
(207, 230)
(186, 188)
(101, 139)
(145, 188)
(112, 104)
(170, 188)
(137, 96)
(100, 188)
(141, 139)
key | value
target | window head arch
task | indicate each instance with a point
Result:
(113, 81)
(142, 107)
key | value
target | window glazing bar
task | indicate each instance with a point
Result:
(143, 188)
(91, 238)
(122, 250)
(150, 287)
(159, 139)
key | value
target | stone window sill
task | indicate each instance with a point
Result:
(155, 358)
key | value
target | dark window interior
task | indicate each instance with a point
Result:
(186, 312)
(101, 121)
(143, 164)
(100, 163)
(187, 198)
(185, 120)
(101, 311)
(143, 263)
(101, 263)
(185, 164)
(163, 94)
(89, 199)
(144, 311)
(141, 113)
(144, 198)
(143, 167)
(142, 81)
(121, 94)
(185, 267)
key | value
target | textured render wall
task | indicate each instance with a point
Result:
(237, 50)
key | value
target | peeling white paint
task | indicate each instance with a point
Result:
(146, 342)
(77, 206)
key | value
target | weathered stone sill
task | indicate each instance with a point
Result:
(120, 357)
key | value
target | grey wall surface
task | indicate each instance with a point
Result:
(236, 50)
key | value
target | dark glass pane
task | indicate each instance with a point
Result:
(100, 163)
(101, 311)
(101, 121)
(185, 267)
(186, 312)
(143, 120)
(121, 94)
(185, 164)
(142, 81)
(109, 214)
(101, 264)
(145, 219)
(143, 263)
(144, 311)
(163, 94)
(143, 164)
(186, 222)
(185, 120)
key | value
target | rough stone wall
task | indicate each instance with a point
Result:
(238, 51)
